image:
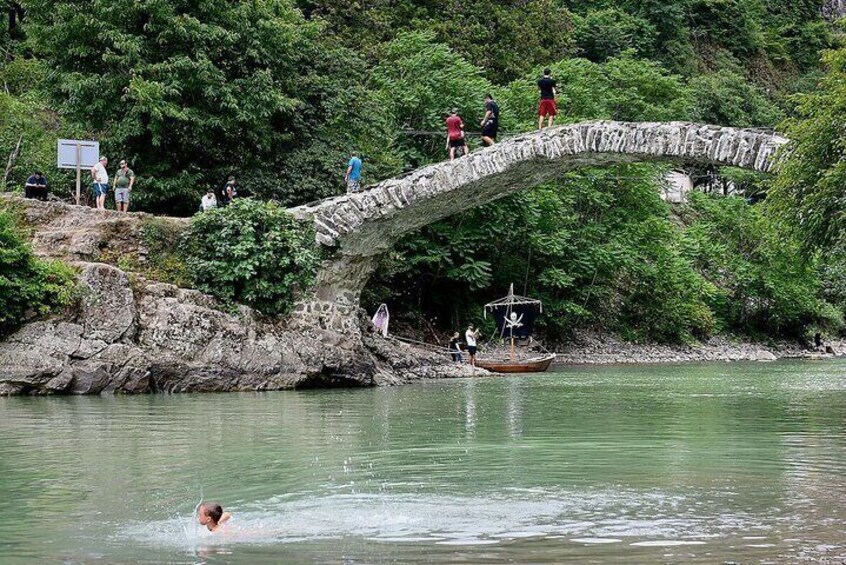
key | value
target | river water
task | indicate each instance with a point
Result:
(712, 463)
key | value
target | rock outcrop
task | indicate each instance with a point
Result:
(834, 9)
(79, 233)
(137, 336)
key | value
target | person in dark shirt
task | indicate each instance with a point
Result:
(490, 123)
(230, 191)
(546, 107)
(455, 348)
(36, 186)
(455, 134)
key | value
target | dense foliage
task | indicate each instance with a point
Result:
(28, 286)
(191, 92)
(811, 188)
(280, 92)
(252, 253)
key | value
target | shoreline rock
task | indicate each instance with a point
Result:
(608, 350)
(140, 336)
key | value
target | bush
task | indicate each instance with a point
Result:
(764, 283)
(165, 260)
(28, 286)
(251, 252)
(602, 34)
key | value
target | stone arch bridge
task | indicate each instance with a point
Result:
(358, 228)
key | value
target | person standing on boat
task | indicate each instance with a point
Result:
(455, 348)
(470, 337)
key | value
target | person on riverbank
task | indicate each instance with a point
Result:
(100, 182)
(124, 180)
(212, 516)
(230, 191)
(455, 348)
(381, 319)
(490, 123)
(455, 134)
(470, 337)
(546, 106)
(353, 175)
(36, 186)
(208, 202)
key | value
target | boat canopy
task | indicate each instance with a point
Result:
(514, 315)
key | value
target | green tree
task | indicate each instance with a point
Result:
(810, 189)
(762, 282)
(420, 81)
(606, 33)
(726, 98)
(190, 92)
(506, 39)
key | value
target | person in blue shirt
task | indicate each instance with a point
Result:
(353, 176)
(36, 186)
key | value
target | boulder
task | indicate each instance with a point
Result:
(108, 306)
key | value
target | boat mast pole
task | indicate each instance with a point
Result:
(511, 301)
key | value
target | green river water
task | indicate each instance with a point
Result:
(712, 463)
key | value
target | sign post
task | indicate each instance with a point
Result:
(75, 154)
(78, 173)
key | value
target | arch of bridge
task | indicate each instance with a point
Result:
(358, 228)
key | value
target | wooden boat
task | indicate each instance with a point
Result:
(515, 316)
(535, 365)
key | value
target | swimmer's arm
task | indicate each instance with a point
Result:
(225, 517)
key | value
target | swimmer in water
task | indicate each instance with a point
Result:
(212, 516)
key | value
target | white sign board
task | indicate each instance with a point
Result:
(88, 151)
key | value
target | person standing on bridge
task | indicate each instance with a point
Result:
(490, 123)
(546, 107)
(353, 176)
(455, 134)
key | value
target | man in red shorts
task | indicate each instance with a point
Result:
(546, 108)
(455, 134)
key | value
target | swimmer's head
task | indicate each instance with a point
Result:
(209, 514)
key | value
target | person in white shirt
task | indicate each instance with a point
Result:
(470, 337)
(100, 182)
(209, 201)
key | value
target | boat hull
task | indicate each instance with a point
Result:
(530, 366)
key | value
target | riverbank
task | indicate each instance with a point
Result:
(610, 350)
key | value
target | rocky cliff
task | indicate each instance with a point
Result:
(127, 334)
(834, 9)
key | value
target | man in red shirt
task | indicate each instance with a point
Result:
(455, 134)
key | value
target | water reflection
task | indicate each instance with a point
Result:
(470, 408)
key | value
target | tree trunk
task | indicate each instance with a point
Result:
(13, 156)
